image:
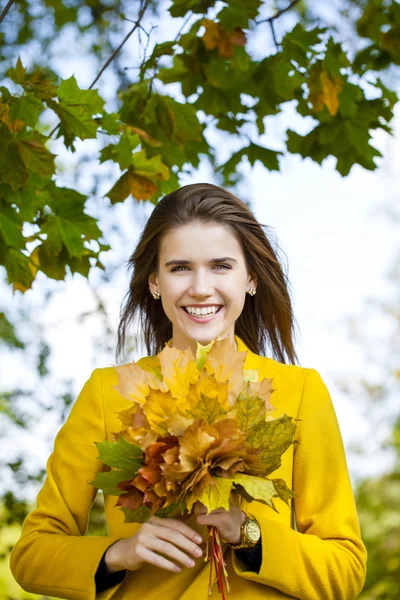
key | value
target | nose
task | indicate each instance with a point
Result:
(200, 284)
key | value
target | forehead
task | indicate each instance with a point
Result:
(200, 240)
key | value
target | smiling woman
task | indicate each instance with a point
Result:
(203, 246)
(204, 268)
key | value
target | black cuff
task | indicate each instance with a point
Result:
(103, 579)
(251, 556)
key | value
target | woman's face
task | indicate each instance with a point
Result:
(202, 280)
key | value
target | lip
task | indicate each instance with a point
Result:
(202, 320)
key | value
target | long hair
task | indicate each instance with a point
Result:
(267, 319)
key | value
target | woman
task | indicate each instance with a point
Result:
(202, 251)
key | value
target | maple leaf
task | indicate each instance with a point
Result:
(256, 488)
(179, 370)
(225, 363)
(134, 382)
(324, 90)
(272, 438)
(207, 398)
(217, 495)
(216, 37)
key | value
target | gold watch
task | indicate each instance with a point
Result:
(250, 533)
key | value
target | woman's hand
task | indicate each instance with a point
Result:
(227, 522)
(157, 535)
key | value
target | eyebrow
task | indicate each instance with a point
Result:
(187, 262)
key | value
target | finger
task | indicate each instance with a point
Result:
(152, 558)
(169, 548)
(177, 525)
(180, 540)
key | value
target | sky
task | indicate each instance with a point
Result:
(339, 244)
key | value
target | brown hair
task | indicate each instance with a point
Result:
(267, 317)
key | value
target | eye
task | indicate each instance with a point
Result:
(220, 265)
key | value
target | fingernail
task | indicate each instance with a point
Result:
(198, 539)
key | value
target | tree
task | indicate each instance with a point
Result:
(152, 137)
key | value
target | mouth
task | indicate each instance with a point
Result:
(202, 318)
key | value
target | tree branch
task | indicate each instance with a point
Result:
(279, 13)
(6, 9)
(272, 27)
(114, 54)
(126, 38)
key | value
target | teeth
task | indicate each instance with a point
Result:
(202, 311)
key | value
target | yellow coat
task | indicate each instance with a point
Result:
(319, 556)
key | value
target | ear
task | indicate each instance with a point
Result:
(253, 279)
(153, 283)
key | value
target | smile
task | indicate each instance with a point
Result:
(202, 318)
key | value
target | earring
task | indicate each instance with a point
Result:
(156, 295)
(252, 291)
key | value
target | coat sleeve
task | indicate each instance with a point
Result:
(325, 559)
(54, 556)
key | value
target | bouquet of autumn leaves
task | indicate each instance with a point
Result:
(198, 430)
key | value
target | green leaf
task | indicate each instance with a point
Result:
(121, 153)
(254, 152)
(272, 438)
(108, 481)
(238, 14)
(18, 74)
(26, 108)
(171, 510)
(297, 44)
(75, 110)
(11, 227)
(120, 455)
(250, 410)
(53, 264)
(152, 168)
(201, 353)
(12, 168)
(139, 515)
(69, 225)
(180, 8)
(8, 336)
(18, 268)
(35, 155)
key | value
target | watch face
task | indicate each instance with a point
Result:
(253, 531)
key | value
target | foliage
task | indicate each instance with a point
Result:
(377, 502)
(201, 433)
(154, 137)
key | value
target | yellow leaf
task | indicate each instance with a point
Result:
(177, 424)
(134, 382)
(256, 488)
(212, 36)
(179, 370)
(159, 408)
(324, 91)
(225, 362)
(196, 440)
(207, 399)
(217, 495)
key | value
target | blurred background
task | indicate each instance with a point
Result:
(324, 106)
